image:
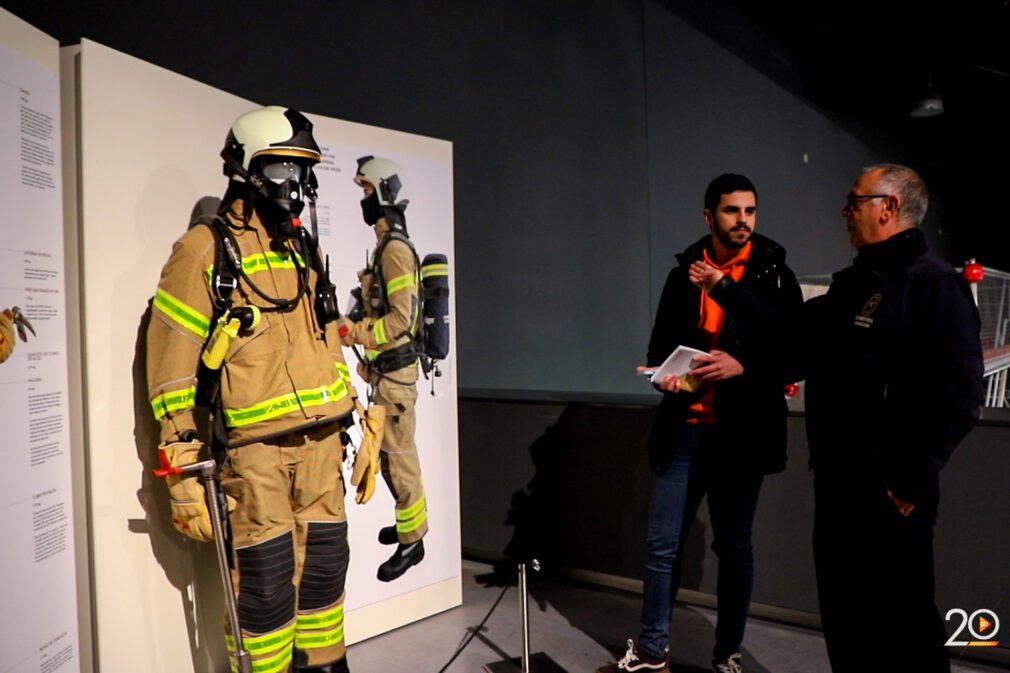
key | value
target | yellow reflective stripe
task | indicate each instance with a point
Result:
(308, 641)
(274, 664)
(320, 629)
(262, 261)
(267, 642)
(407, 280)
(413, 524)
(342, 369)
(379, 329)
(434, 270)
(179, 312)
(412, 517)
(173, 401)
(371, 353)
(278, 406)
(410, 512)
(317, 620)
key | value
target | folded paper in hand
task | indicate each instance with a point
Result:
(680, 362)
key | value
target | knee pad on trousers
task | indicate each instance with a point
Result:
(326, 555)
(266, 599)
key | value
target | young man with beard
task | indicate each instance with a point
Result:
(733, 296)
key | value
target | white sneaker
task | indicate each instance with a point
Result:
(729, 665)
(635, 660)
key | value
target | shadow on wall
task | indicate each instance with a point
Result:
(586, 505)
(190, 566)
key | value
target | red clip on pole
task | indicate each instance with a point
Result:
(166, 468)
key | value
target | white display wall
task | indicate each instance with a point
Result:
(147, 143)
(38, 573)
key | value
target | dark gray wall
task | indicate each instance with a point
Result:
(584, 134)
(710, 113)
(569, 484)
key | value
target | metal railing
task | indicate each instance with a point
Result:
(992, 294)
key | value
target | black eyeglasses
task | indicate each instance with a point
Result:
(853, 201)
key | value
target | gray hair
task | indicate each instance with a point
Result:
(905, 183)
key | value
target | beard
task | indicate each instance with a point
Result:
(736, 237)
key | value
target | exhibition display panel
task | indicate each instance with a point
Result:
(147, 143)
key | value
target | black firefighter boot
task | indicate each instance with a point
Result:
(338, 666)
(387, 535)
(406, 555)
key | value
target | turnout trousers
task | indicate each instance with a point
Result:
(289, 548)
(401, 467)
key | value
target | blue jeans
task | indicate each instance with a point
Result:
(676, 495)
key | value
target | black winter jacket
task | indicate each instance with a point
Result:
(760, 330)
(895, 370)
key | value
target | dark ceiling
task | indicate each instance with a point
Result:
(861, 63)
(866, 63)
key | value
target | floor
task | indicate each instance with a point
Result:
(580, 628)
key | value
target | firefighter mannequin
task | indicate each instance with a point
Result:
(283, 393)
(391, 316)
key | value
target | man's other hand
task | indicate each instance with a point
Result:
(704, 275)
(718, 366)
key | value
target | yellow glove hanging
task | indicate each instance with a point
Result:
(188, 496)
(366, 463)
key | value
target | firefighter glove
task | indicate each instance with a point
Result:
(366, 463)
(188, 496)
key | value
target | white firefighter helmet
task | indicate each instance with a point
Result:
(382, 174)
(273, 131)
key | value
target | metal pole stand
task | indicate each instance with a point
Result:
(539, 662)
(218, 509)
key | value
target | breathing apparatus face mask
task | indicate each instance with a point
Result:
(279, 200)
(371, 211)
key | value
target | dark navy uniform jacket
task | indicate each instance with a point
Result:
(895, 367)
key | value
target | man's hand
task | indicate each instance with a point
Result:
(904, 507)
(719, 366)
(704, 275)
(670, 383)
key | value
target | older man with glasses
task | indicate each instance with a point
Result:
(894, 384)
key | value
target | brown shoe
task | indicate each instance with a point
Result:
(636, 660)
